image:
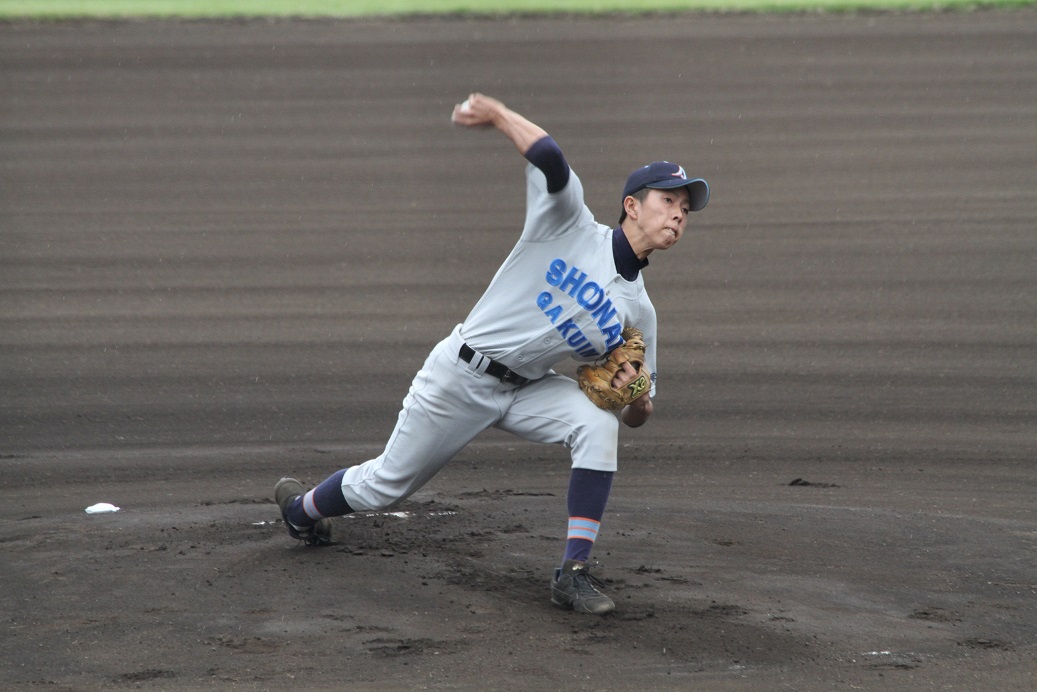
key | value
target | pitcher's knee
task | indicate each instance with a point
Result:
(603, 425)
(595, 441)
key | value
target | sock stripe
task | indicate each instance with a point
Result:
(581, 527)
(310, 507)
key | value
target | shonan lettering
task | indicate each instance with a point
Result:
(590, 296)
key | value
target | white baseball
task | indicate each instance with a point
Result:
(466, 105)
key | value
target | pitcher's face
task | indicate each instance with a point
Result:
(662, 217)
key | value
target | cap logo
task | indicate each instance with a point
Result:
(680, 173)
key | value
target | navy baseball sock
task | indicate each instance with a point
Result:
(326, 500)
(588, 495)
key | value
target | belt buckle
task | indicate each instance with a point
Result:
(512, 377)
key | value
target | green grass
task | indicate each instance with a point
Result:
(57, 9)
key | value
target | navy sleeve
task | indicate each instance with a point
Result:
(545, 155)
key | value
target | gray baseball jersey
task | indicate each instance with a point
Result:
(558, 295)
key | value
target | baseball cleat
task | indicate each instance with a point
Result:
(285, 492)
(576, 589)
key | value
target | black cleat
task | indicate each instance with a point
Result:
(285, 492)
(576, 589)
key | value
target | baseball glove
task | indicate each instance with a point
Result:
(596, 380)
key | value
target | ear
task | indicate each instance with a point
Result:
(631, 206)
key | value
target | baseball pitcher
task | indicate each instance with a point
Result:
(570, 288)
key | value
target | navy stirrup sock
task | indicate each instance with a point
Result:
(326, 500)
(588, 495)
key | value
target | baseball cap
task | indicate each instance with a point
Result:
(663, 175)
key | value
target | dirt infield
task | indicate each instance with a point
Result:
(208, 280)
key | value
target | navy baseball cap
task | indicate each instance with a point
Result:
(663, 175)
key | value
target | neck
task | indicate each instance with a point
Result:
(636, 239)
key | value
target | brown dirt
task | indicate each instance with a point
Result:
(226, 247)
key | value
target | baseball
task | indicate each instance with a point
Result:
(465, 105)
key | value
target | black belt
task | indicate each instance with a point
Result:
(495, 369)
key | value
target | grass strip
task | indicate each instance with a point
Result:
(69, 9)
